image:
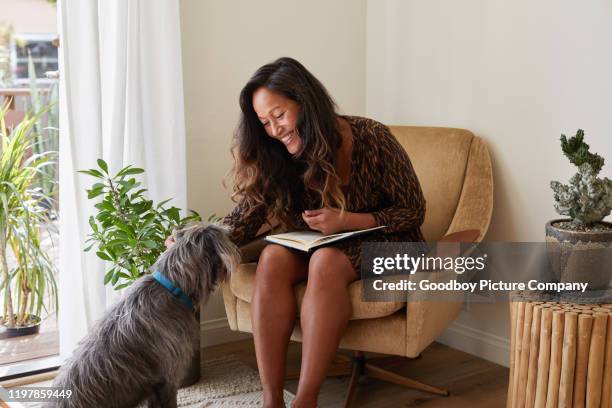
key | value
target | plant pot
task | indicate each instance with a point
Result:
(32, 328)
(580, 256)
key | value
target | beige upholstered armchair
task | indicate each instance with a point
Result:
(454, 169)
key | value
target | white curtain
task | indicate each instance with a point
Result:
(121, 100)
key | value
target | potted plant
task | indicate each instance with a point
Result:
(582, 243)
(27, 274)
(129, 230)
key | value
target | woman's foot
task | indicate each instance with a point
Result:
(274, 404)
(274, 400)
(301, 402)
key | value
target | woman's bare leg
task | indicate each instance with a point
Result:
(323, 317)
(273, 313)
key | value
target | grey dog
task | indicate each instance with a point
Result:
(139, 351)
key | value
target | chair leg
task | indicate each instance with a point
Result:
(352, 386)
(386, 375)
(358, 363)
(362, 366)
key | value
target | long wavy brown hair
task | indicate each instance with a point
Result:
(265, 173)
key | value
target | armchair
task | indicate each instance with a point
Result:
(454, 169)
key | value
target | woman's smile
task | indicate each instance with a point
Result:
(277, 114)
(287, 140)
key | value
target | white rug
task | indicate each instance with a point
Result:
(225, 382)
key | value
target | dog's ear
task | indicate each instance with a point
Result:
(224, 254)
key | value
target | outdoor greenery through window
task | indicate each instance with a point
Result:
(29, 112)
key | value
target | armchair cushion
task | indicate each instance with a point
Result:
(243, 281)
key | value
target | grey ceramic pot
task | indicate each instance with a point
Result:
(580, 256)
(33, 328)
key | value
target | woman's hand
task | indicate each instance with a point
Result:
(326, 220)
(169, 241)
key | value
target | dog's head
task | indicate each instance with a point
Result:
(201, 257)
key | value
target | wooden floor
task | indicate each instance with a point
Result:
(472, 382)
(45, 343)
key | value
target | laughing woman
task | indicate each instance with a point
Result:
(299, 162)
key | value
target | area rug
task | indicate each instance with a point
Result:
(225, 382)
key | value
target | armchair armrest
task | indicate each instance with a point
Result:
(250, 252)
(427, 318)
(473, 213)
(476, 201)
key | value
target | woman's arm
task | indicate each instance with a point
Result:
(331, 220)
(244, 221)
(359, 221)
(399, 184)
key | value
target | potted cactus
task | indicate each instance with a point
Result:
(582, 243)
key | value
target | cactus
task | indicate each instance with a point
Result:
(577, 151)
(587, 199)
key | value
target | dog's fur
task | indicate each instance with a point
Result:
(140, 350)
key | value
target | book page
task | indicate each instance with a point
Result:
(303, 237)
(314, 238)
(326, 238)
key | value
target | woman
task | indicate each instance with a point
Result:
(302, 164)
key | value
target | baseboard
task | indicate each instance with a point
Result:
(477, 342)
(217, 331)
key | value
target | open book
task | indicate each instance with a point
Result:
(308, 240)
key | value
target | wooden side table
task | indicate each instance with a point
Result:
(560, 355)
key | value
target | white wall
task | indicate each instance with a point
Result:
(224, 42)
(29, 16)
(517, 73)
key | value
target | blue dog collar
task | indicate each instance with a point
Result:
(174, 290)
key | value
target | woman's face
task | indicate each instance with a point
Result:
(278, 115)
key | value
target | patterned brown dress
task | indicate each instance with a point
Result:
(381, 182)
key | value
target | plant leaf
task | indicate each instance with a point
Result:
(108, 276)
(103, 256)
(92, 172)
(129, 171)
(150, 244)
(123, 285)
(103, 165)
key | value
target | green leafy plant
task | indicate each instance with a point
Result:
(587, 199)
(27, 274)
(128, 229)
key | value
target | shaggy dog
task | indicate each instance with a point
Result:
(140, 350)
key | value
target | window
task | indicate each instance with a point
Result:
(43, 50)
(28, 35)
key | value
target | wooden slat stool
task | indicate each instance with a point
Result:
(560, 355)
